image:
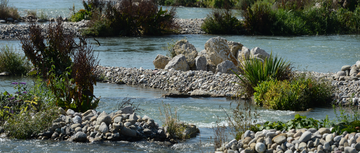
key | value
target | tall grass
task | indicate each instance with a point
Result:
(257, 71)
(7, 11)
(13, 62)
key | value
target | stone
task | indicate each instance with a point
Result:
(217, 51)
(4, 74)
(161, 61)
(126, 131)
(178, 63)
(246, 140)
(200, 93)
(342, 141)
(324, 130)
(200, 63)
(260, 147)
(234, 47)
(79, 137)
(268, 141)
(76, 119)
(340, 73)
(2, 21)
(353, 71)
(226, 67)
(329, 138)
(118, 119)
(103, 117)
(258, 52)
(127, 110)
(62, 111)
(244, 54)
(357, 146)
(70, 112)
(103, 128)
(357, 64)
(345, 67)
(302, 146)
(188, 50)
(279, 139)
(298, 134)
(305, 136)
(326, 146)
(133, 116)
(350, 150)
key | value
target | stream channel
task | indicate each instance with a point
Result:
(306, 53)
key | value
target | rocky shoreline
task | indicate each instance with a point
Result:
(294, 141)
(11, 31)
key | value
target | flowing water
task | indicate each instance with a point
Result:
(311, 53)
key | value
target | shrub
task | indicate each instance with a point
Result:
(256, 71)
(259, 18)
(222, 22)
(27, 125)
(8, 12)
(130, 19)
(300, 93)
(68, 66)
(13, 62)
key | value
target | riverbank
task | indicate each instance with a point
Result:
(10, 31)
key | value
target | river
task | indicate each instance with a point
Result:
(310, 53)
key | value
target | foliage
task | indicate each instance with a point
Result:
(220, 135)
(68, 66)
(27, 125)
(12, 62)
(43, 16)
(171, 122)
(130, 19)
(186, 3)
(298, 122)
(242, 118)
(259, 18)
(8, 12)
(222, 22)
(347, 119)
(31, 12)
(298, 94)
(257, 71)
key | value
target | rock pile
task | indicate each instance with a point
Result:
(219, 55)
(347, 83)
(93, 126)
(192, 83)
(190, 26)
(11, 31)
(300, 140)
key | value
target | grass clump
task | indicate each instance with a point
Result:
(256, 71)
(174, 128)
(130, 19)
(7, 11)
(13, 62)
(297, 94)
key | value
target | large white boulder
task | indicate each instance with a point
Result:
(178, 63)
(218, 50)
(187, 49)
(161, 61)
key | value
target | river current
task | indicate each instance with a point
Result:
(308, 53)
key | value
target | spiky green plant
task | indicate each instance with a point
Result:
(255, 71)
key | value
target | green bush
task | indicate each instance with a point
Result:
(131, 19)
(259, 18)
(27, 125)
(222, 22)
(13, 62)
(300, 93)
(256, 71)
(8, 12)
